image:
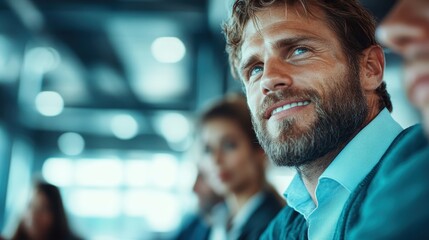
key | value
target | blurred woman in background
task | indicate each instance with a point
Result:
(238, 167)
(45, 218)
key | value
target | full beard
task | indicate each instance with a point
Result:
(338, 117)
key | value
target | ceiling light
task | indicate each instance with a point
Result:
(49, 103)
(168, 49)
(124, 126)
(176, 132)
(71, 144)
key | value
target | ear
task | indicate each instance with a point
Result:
(372, 68)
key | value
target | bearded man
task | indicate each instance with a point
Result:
(313, 76)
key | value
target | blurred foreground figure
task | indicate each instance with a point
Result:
(396, 207)
(45, 218)
(211, 206)
(406, 31)
(238, 165)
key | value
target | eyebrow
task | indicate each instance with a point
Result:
(292, 41)
(283, 43)
(249, 61)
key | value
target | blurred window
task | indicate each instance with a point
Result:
(147, 191)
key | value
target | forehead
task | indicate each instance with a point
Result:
(217, 123)
(281, 20)
(217, 128)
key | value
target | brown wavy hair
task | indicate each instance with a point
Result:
(352, 23)
(232, 107)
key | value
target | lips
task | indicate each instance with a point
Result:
(283, 106)
(224, 176)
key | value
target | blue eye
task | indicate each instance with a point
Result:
(299, 51)
(255, 70)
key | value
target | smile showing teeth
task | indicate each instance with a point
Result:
(289, 106)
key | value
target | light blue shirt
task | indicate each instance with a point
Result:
(342, 176)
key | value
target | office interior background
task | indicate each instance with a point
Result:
(99, 97)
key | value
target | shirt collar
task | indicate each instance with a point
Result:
(363, 152)
(352, 164)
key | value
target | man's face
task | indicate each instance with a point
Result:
(406, 31)
(304, 97)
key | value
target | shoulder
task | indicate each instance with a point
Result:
(195, 228)
(404, 164)
(271, 205)
(409, 143)
(401, 152)
(396, 202)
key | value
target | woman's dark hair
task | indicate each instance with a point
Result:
(233, 107)
(60, 229)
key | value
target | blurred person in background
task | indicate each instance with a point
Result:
(238, 166)
(45, 218)
(396, 206)
(211, 206)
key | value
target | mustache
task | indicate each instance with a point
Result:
(285, 94)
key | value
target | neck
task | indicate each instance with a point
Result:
(240, 198)
(311, 172)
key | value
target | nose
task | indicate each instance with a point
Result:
(275, 76)
(403, 28)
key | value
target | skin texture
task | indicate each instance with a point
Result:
(235, 163)
(39, 218)
(406, 31)
(289, 57)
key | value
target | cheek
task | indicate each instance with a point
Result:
(252, 97)
(240, 163)
(248, 170)
(235, 159)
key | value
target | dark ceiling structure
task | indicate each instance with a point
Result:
(102, 63)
